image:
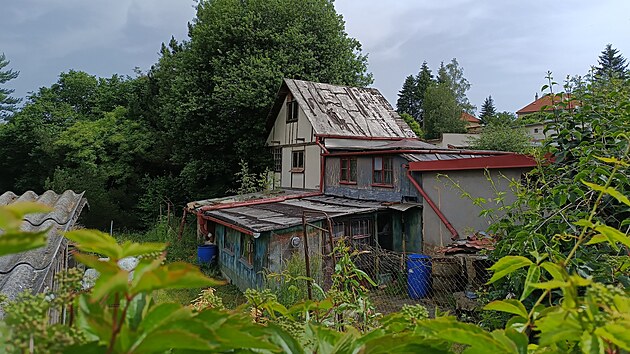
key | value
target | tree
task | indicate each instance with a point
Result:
(215, 89)
(487, 110)
(413, 124)
(442, 114)
(407, 102)
(611, 63)
(502, 137)
(459, 85)
(424, 80)
(7, 103)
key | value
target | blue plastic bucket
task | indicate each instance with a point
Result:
(418, 275)
(206, 253)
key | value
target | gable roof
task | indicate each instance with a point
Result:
(470, 118)
(33, 269)
(342, 110)
(547, 102)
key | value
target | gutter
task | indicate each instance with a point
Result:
(417, 151)
(353, 137)
(451, 229)
(231, 226)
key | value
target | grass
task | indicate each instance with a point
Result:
(183, 249)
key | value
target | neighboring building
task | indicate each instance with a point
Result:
(394, 194)
(34, 270)
(547, 103)
(304, 113)
(473, 124)
(454, 140)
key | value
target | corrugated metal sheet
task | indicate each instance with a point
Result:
(33, 269)
(281, 215)
(442, 156)
(347, 111)
(354, 144)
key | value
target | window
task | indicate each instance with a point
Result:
(247, 249)
(383, 173)
(297, 161)
(292, 111)
(339, 229)
(277, 158)
(348, 170)
(228, 242)
(536, 130)
(361, 229)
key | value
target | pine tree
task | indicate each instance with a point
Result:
(424, 80)
(611, 63)
(7, 103)
(488, 111)
(442, 76)
(407, 98)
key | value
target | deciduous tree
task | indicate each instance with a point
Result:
(442, 114)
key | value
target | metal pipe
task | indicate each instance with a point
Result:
(435, 208)
(307, 259)
(322, 163)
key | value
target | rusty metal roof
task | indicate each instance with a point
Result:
(31, 269)
(288, 213)
(343, 110)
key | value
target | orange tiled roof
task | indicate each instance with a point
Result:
(470, 118)
(545, 100)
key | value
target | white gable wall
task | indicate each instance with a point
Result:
(291, 137)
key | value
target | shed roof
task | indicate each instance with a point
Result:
(29, 270)
(342, 110)
(270, 216)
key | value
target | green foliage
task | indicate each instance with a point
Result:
(12, 238)
(611, 64)
(488, 111)
(7, 103)
(442, 114)
(413, 124)
(502, 137)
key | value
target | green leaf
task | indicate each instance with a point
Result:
(132, 249)
(177, 275)
(93, 241)
(555, 270)
(533, 276)
(591, 344)
(612, 160)
(12, 215)
(512, 306)
(616, 333)
(16, 242)
(552, 284)
(108, 284)
(610, 191)
(454, 331)
(613, 235)
(507, 265)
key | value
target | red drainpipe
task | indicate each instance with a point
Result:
(322, 162)
(435, 208)
(227, 224)
(416, 151)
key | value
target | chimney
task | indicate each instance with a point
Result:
(536, 96)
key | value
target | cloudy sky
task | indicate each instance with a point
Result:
(505, 47)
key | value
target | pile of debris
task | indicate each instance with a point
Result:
(479, 241)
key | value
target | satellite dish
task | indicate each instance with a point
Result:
(295, 241)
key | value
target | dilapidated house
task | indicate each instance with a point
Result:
(350, 166)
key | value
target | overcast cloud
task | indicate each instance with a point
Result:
(505, 47)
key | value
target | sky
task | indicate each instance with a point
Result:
(505, 47)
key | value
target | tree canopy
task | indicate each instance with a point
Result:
(611, 63)
(7, 103)
(442, 114)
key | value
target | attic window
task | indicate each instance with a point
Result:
(292, 110)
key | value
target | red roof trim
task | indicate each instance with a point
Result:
(479, 163)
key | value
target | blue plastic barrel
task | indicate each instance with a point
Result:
(206, 253)
(418, 275)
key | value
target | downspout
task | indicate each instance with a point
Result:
(322, 162)
(451, 229)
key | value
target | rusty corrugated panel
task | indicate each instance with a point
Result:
(33, 270)
(348, 111)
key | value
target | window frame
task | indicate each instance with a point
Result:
(276, 153)
(345, 173)
(247, 250)
(382, 181)
(228, 243)
(297, 168)
(293, 110)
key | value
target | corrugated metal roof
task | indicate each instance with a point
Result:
(404, 144)
(29, 270)
(442, 156)
(288, 213)
(343, 110)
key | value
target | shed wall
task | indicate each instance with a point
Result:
(463, 215)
